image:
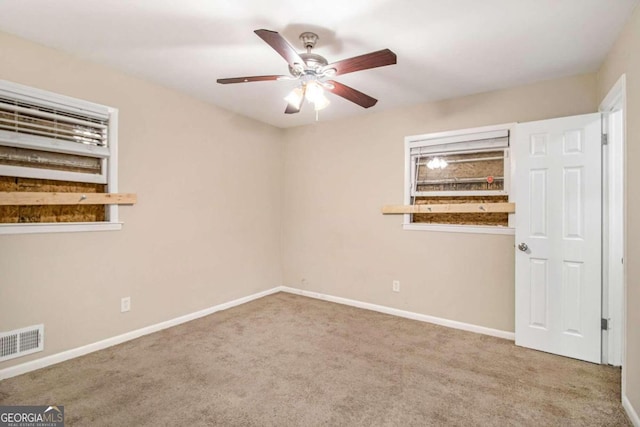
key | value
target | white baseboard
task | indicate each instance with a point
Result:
(23, 368)
(631, 412)
(402, 313)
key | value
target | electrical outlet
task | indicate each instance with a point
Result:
(396, 286)
(125, 304)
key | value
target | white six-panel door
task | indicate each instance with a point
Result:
(558, 236)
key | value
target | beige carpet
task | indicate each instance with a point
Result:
(286, 360)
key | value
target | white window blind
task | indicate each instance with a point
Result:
(450, 144)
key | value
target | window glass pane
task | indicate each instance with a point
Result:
(479, 171)
(46, 160)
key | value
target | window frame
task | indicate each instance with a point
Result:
(451, 137)
(107, 154)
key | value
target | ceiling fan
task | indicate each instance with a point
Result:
(313, 70)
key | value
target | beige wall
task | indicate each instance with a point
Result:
(624, 58)
(338, 175)
(190, 243)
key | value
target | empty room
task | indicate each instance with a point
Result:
(279, 213)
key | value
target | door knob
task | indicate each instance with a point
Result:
(523, 247)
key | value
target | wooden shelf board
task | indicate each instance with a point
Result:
(450, 208)
(35, 198)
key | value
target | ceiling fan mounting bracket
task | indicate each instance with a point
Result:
(309, 39)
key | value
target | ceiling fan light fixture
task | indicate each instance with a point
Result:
(327, 85)
(329, 72)
(314, 91)
(315, 94)
(295, 97)
(321, 102)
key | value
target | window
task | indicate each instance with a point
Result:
(54, 143)
(467, 166)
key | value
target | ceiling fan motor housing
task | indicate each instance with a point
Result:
(312, 62)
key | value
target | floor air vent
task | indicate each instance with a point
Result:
(21, 342)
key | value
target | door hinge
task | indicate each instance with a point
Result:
(604, 324)
(605, 139)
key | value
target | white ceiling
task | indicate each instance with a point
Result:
(445, 48)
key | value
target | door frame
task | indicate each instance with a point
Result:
(614, 272)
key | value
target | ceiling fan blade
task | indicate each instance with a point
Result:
(280, 45)
(250, 79)
(352, 95)
(363, 62)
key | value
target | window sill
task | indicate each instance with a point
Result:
(58, 227)
(448, 228)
